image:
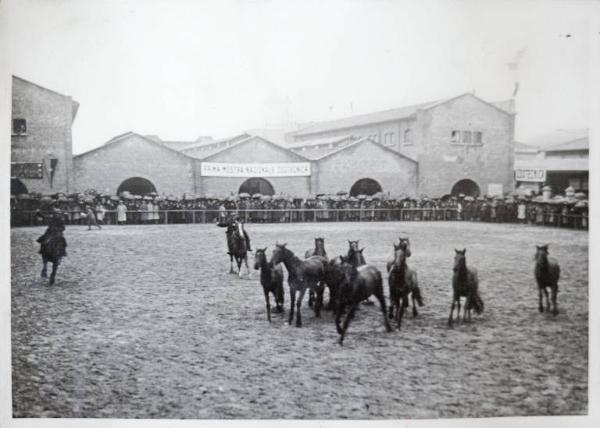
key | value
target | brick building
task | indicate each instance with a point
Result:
(41, 142)
(462, 145)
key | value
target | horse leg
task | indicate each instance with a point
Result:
(292, 303)
(541, 306)
(458, 312)
(298, 306)
(247, 268)
(267, 300)
(451, 311)
(338, 316)
(381, 298)
(231, 263)
(554, 293)
(319, 302)
(311, 298)
(415, 313)
(547, 300)
(44, 269)
(403, 303)
(53, 274)
(347, 322)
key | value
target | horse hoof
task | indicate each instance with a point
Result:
(541, 309)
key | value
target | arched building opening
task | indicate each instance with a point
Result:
(257, 185)
(365, 186)
(17, 187)
(466, 187)
(136, 186)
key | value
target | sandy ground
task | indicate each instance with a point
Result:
(145, 322)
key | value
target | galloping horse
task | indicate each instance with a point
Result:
(402, 282)
(359, 283)
(53, 250)
(302, 274)
(271, 279)
(464, 283)
(319, 250)
(236, 245)
(405, 245)
(547, 274)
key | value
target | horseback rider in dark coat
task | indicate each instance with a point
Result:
(230, 221)
(56, 227)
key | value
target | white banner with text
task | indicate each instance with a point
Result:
(290, 169)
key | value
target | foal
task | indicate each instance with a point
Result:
(547, 273)
(271, 279)
(464, 283)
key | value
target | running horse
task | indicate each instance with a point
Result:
(359, 283)
(319, 250)
(302, 274)
(465, 282)
(236, 246)
(402, 282)
(53, 246)
(547, 274)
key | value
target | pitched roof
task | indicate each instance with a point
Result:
(366, 140)
(578, 144)
(319, 141)
(75, 104)
(124, 136)
(557, 137)
(250, 138)
(206, 142)
(388, 115)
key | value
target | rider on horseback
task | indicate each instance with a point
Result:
(237, 219)
(232, 220)
(55, 229)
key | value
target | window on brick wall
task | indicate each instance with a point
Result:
(19, 126)
(388, 139)
(455, 136)
(466, 137)
(408, 139)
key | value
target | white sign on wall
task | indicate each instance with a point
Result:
(289, 169)
(530, 174)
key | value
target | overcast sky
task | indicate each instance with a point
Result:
(180, 69)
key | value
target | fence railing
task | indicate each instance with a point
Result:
(298, 215)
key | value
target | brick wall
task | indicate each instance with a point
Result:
(105, 168)
(49, 117)
(340, 171)
(442, 163)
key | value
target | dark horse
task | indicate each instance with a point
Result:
(236, 245)
(271, 279)
(302, 274)
(359, 283)
(464, 283)
(319, 250)
(547, 273)
(53, 246)
(402, 282)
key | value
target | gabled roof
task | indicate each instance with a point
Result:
(205, 142)
(578, 144)
(319, 142)
(525, 147)
(387, 116)
(75, 104)
(251, 138)
(126, 135)
(557, 137)
(365, 140)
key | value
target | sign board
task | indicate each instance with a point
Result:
(26, 170)
(494, 189)
(290, 169)
(530, 174)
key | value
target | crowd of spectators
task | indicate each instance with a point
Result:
(562, 211)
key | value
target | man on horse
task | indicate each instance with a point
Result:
(55, 229)
(232, 220)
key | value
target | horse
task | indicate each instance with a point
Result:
(271, 279)
(359, 283)
(547, 274)
(405, 245)
(53, 249)
(355, 254)
(464, 283)
(302, 274)
(236, 245)
(403, 282)
(319, 250)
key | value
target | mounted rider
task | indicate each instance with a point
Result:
(232, 219)
(55, 229)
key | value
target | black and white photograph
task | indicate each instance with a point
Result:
(281, 211)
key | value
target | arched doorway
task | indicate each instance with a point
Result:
(136, 186)
(257, 185)
(365, 186)
(466, 187)
(17, 187)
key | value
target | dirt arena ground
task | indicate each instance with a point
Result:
(146, 322)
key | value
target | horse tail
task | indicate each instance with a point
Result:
(417, 294)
